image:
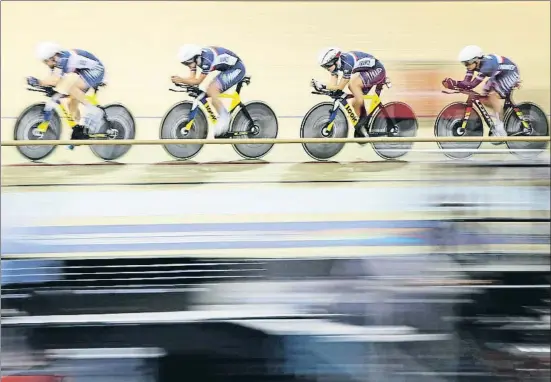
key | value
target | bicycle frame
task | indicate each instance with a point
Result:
(351, 115)
(473, 99)
(202, 101)
(92, 98)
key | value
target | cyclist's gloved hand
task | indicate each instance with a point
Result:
(449, 83)
(32, 81)
(317, 85)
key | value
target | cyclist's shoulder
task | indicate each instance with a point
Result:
(360, 54)
(217, 50)
(492, 62)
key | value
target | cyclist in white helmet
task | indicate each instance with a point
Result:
(360, 71)
(210, 58)
(74, 72)
(503, 76)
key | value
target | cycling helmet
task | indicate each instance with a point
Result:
(46, 50)
(329, 56)
(469, 53)
(188, 52)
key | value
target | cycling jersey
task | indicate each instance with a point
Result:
(503, 75)
(231, 68)
(217, 59)
(84, 63)
(355, 61)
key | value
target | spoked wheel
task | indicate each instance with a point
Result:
(26, 129)
(173, 127)
(448, 124)
(538, 126)
(396, 119)
(264, 126)
(118, 124)
(314, 125)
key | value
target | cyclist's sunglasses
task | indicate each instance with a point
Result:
(330, 63)
(470, 62)
(188, 61)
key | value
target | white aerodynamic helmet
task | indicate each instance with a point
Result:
(188, 51)
(469, 53)
(328, 56)
(46, 50)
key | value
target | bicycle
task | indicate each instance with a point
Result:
(461, 119)
(117, 123)
(331, 119)
(188, 120)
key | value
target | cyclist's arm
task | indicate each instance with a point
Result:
(193, 79)
(469, 82)
(51, 80)
(333, 80)
(338, 85)
(335, 84)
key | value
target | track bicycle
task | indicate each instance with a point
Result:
(117, 123)
(331, 120)
(188, 120)
(460, 119)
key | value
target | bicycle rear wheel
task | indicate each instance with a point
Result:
(314, 125)
(27, 122)
(395, 119)
(539, 126)
(265, 126)
(448, 124)
(119, 124)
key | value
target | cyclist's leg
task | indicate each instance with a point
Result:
(223, 82)
(73, 106)
(76, 85)
(78, 130)
(356, 87)
(496, 90)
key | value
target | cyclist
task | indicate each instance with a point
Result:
(74, 72)
(360, 71)
(210, 58)
(503, 76)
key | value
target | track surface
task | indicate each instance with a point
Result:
(219, 205)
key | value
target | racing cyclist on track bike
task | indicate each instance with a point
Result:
(73, 73)
(503, 76)
(360, 71)
(210, 58)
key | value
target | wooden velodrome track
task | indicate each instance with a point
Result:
(281, 206)
(219, 205)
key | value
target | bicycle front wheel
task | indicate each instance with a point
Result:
(25, 129)
(172, 127)
(314, 125)
(448, 124)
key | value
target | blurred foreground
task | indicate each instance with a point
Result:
(460, 293)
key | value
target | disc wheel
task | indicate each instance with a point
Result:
(264, 125)
(118, 124)
(173, 127)
(448, 124)
(314, 125)
(26, 129)
(395, 119)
